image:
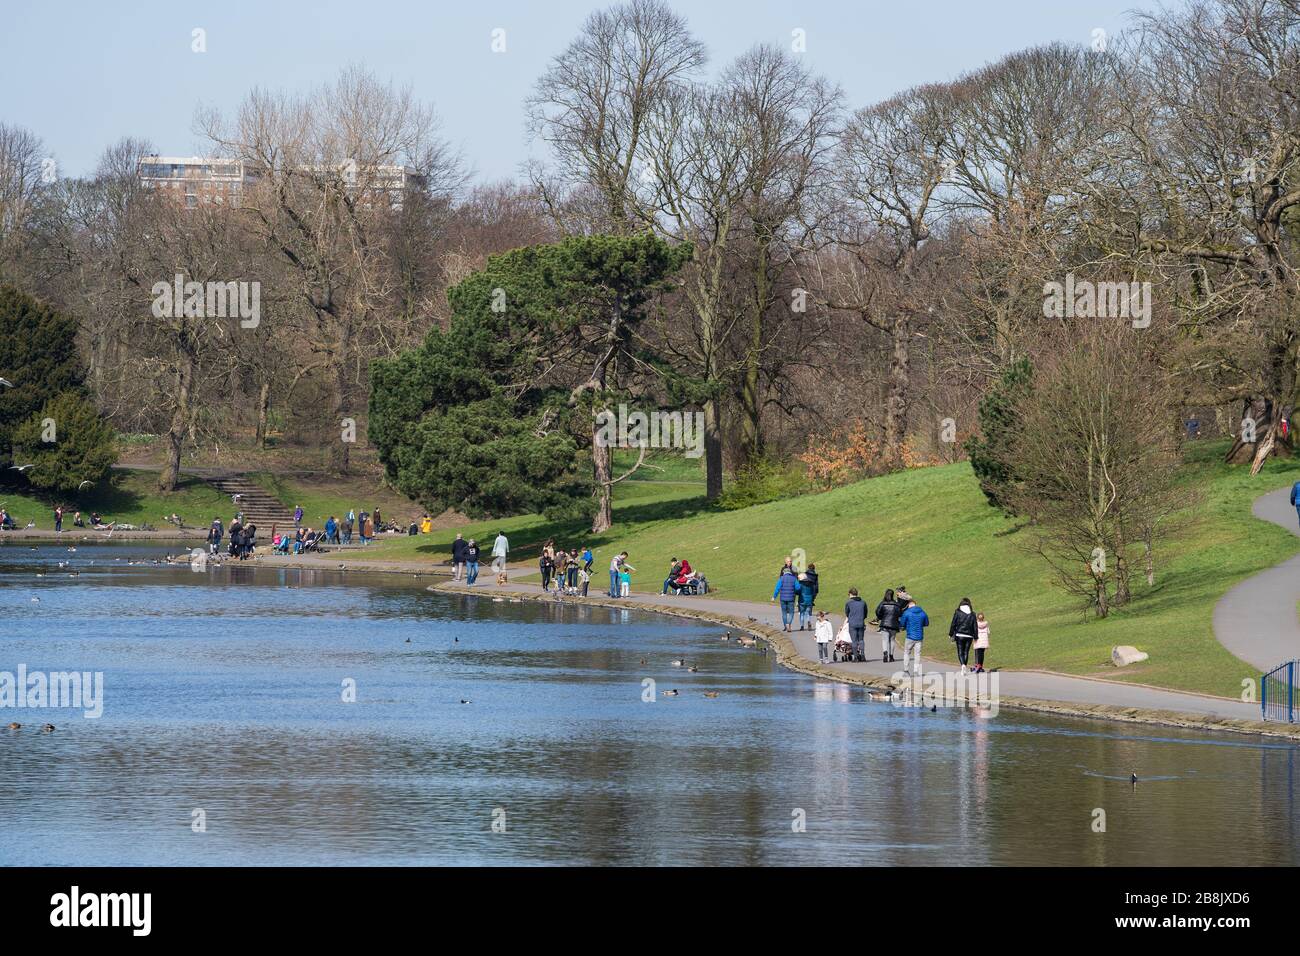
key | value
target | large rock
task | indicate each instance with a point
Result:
(1126, 654)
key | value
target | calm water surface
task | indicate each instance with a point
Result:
(223, 692)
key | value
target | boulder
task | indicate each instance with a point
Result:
(1125, 654)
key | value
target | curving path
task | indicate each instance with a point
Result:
(1257, 620)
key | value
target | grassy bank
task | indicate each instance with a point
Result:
(932, 530)
(126, 496)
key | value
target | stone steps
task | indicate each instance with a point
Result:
(257, 505)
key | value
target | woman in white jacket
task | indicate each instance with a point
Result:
(824, 634)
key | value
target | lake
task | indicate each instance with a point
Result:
(224, 704)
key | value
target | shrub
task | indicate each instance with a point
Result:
(761, 481)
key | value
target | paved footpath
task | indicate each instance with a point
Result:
(1257, 620)
(1037, 685)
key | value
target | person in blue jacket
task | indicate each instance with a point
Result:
(1295, 499)
(914, 622)
(807, 594)
(787, 589)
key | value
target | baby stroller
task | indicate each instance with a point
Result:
(843, 649)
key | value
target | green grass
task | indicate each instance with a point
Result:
(637, 505)
(129, 497)
(932, 530)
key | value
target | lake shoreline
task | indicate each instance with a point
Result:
(781, 642)
(788, 656)
(87, 534)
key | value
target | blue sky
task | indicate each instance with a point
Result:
(82, 74)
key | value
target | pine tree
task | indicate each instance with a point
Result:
(38, 356)
(991, 452)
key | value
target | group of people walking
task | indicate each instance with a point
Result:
(898, 612)
(797, 592)
(464, 560)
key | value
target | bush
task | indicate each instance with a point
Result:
(761, 481)
(842, 457)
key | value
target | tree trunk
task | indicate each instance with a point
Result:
(1103, 607)
(602, 474)
(1122, 591)
(180, 422)
(1278, 404)
(749, 411)
(263, 410)
(340, 403)
(896, 403)
(602, 455)
(751, 436)
(712, 449)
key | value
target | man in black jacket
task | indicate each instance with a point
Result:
(674, 569)
(457, 557)
(855, 612)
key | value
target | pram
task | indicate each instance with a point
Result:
(843, 648)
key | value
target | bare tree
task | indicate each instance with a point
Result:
(334, 167)
(1097, 456)
(891, 168)
(21, 163)
(592, 105)
(694, 150)
(1200, 190)
(790, 116)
